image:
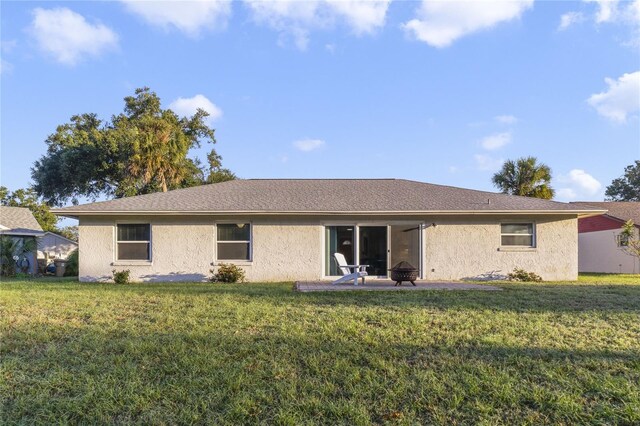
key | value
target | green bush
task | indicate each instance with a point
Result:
(121, 277)
(71, 268)
(228, 273)
(524, 276)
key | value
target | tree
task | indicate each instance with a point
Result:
(29, 199)
(13, 253)
(627, 187)
(142, 150)
(629, 239)
(524, 177)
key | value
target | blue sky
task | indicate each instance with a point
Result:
(431, 91)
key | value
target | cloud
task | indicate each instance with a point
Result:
(570, 18)
(495, 141)
(296, 19)
(487, 163)
(621, 99)
(68, 37)
(186, 107)
(5, 67)
(190, 17)
(307, 145)
(607, 10)
(626, 13)
(578, 183)
(506, 119)
(440, 23)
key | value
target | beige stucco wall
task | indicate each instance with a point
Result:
(467, 248)
(291, 248)
(599, 252)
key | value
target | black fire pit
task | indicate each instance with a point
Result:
(404, 271)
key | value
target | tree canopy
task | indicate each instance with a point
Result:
(626, 187)
(525, 177)
(142, 150)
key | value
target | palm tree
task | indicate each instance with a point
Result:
(525, 177)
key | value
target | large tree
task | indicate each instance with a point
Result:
(525, 177)
(626, 187)
(29, 199)
(142, 150)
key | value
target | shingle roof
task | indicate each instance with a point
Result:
(334, 196)
(18, 220)
(623, 210)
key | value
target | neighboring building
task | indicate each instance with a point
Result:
(289, 229)
(54, 246)
(600, 246)
(19, 223)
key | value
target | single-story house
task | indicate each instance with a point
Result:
(18, 223)
(55, 246)
(600, 246)
(289, 229)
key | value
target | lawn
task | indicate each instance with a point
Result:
(554, 353)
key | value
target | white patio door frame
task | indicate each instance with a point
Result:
(356, 243)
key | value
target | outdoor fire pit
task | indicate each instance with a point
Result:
(404, 271)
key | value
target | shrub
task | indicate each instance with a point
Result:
(228, 273)
(524, 276)
(71, 268)
(121, 277)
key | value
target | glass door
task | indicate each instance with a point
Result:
(372, 248)
(405, 244)
(338, 239)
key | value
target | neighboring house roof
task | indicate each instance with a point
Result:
(323, 196)
(53, 234)
(18, 221)
(620, 210)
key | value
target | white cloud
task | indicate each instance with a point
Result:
(621, 99)
(506, 119)
(296, 19)
(440, 23)
(5, 67)
(307, 145)
(626, 13)
(495, 141)
(487, 163)
(578, 183)
(186, 107)
(68, 37)
(607, 10)
(190, 17)
(570, 18)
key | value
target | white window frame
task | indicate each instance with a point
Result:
(117, 260)
(620, 237)
(217, 241)
(534, 239)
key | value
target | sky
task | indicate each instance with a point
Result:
(441, 92)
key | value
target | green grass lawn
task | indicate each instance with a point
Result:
(555, 353)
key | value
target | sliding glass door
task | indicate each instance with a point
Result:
(372, 248)
(379, 246)
(338, 239)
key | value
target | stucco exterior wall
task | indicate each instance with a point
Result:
(467, 248)
(599, 252)
(291, 248)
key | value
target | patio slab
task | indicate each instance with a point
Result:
(388, 285)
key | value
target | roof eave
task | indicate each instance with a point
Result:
(581, 213)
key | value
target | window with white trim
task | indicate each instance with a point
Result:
(622, 240)
(517, 234)
(234, 241)
(133, 241)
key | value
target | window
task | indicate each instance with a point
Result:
(517, 234)
(622, 240)
(338, 239)
(234, 241)
(134, 242)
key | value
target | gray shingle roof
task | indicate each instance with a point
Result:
(319, 196)
(18, 220)
(623, 210)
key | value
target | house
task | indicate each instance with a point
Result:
(600, 246)
(54, 246)
(289, 229)
(18, 223)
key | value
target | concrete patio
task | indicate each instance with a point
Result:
(388, 285)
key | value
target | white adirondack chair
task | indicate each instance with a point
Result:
(349, 272)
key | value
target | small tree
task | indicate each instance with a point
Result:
(629, 239)
(12, 251)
